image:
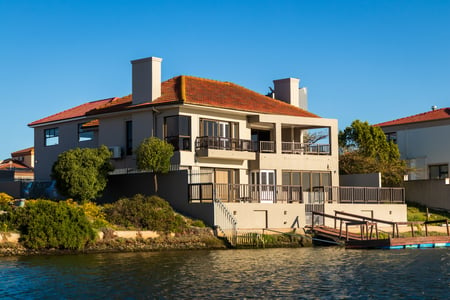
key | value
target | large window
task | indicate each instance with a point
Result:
(438, 171)
(129, 137)
(177, 131)
(307, 179)
(215, 128)
(51, 136)
(391, 136)
(85, 133)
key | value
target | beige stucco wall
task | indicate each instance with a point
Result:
(254, 215)
(388, 212)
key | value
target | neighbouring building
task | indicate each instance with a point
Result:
(19, 167)
(423, 142)
(247, 157)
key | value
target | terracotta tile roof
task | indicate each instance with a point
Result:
(74, 112)
(27, 151)
(92, 123)
(438, 114)
(212, 93)
(189, 90)
(9, 164)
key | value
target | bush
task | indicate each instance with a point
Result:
(144, 213)
(47, 224)
(5, 201)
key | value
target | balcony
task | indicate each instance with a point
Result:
(305, 148)
(224, 148)
(245, 193)
(264, 193)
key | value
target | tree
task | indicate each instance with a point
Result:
(82, 174)
(365, 149)
(154, 155)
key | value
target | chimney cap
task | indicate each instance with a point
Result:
(434, 107)
(151, 58)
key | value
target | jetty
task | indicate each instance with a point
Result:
(362, 232)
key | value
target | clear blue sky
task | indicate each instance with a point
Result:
(368, 60)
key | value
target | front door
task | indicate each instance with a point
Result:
(264, 185)
(222, 184)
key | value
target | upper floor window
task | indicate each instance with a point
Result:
(85, 133)
(177, 131)
(438, 171)
(51, 136)
(129, 137)
(391, 136)
(215, 128)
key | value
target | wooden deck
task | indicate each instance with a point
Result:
(368, 236)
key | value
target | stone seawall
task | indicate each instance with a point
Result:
(123, 241)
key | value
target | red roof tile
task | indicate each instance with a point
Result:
(74, 112)
(207, 92)
(9, 164)
(92, 123)
(26, 151)
(438, 114)
(190, 90)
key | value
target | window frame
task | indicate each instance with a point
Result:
(306, 178)
(181, 141)
(441, 174)
(88, 130)
(51, 134)
(128, 137)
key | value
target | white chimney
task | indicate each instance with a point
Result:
(146, 79)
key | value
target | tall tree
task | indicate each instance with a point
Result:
(82, 173)
(365, 149)
(154, 154)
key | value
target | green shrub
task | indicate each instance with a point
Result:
(146, 213)
(5, 201)
(46, 224)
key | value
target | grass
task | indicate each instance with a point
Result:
(417, 212)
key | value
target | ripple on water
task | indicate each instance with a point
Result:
(309, 273)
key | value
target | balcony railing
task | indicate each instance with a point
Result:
(260, 193)
(223, 143)
(248, 193)
(305, 148)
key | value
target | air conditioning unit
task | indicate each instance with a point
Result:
(116, 151)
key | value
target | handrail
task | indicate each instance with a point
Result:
(225, 221)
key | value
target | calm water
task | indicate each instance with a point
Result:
(305, 273)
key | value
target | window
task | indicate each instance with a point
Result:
(306, 179)
(85, 133)
(438, 171)
(177, 131)
(129, 137)
(51, 137)
(391, 136)
(214, 128)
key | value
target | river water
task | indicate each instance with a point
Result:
(301, 273)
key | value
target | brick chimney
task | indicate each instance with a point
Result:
(287, 90)
(146, 79)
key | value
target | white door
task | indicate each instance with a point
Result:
(264, 185)
(224, 135)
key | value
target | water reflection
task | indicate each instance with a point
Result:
(305, 273)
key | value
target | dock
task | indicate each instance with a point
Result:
(368, 235)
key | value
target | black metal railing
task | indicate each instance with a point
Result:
(263, 193)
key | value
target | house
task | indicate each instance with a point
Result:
(19, 167)
(246, 157)
(423, 142)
